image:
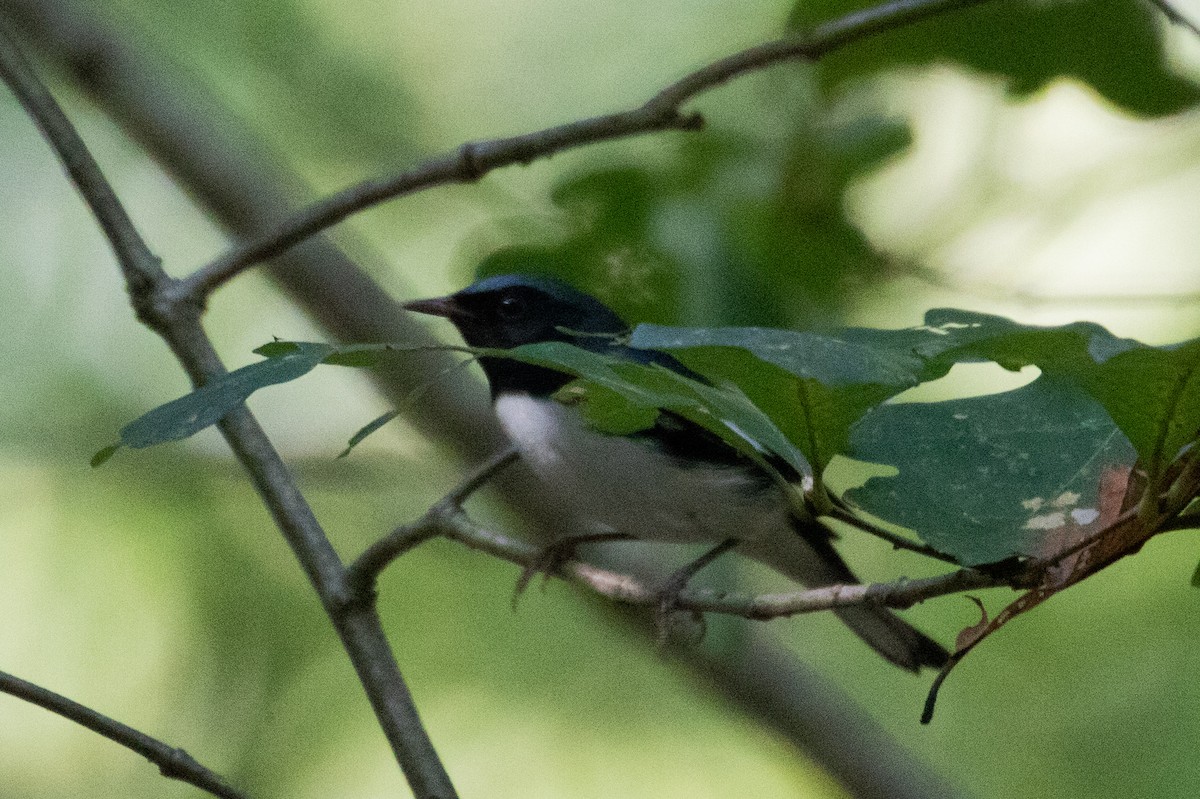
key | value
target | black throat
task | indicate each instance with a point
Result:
(508, 376)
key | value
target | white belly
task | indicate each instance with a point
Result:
(622, 485)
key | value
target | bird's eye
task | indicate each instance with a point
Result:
(512, 307)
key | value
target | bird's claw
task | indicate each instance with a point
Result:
(548, 562)
(667, 604)
(555, 555)
(669, 593)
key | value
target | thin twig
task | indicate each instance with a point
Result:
(621, 587)
(1175, 16)
(478, 478)
(177, 320)
(173, 763)
(366, 568)
(473, 160)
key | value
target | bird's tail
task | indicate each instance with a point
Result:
(810, 559)
(895, 639)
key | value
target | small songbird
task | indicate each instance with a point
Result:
(674, 482)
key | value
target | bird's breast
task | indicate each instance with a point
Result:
(630, 486)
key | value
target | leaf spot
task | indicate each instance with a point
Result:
(1033, 504)
(1047, 521)
(1066, 499)
(1084, 516)
(945, 328)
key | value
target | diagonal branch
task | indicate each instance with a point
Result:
(247, 188)
(174, 764)
(473, 160)
(623, 588)
(366, 569)
(137, 262)
(177, 321)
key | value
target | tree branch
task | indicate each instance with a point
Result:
(447, 519)
(473, 160)
(177, 321)
(173, 763)
(366, 568)
(137, 262)
(247, 189)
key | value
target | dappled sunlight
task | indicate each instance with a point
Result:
(1031, 207)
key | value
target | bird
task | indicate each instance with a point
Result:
(673, 482)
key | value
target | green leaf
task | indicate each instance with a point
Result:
(830, 359)
(812, 387)
(1154, 397)
(1150, 392)
(359, 356)
(815, 387)
(277, 349)
(987, 478)
(206, 405)
(1115, 46)
(637, 383)
(101, 457)
(606, 409)
(367, 429)
(631, 394)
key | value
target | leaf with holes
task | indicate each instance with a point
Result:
(988, 478)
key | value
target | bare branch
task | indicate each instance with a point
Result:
(478, 478)
(449, 521)
(366, 569)
(137, 262)
(174, 764)
(473, 160)
(177, 320)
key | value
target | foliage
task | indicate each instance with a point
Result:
(981, 480)
(1054, 39)
(742, 225)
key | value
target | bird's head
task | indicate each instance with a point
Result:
(511, 310)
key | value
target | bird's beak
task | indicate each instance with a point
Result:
(438, 306)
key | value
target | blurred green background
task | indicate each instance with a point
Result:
(1040, 161)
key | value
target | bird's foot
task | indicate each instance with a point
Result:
(669, 592)
(553, 556)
